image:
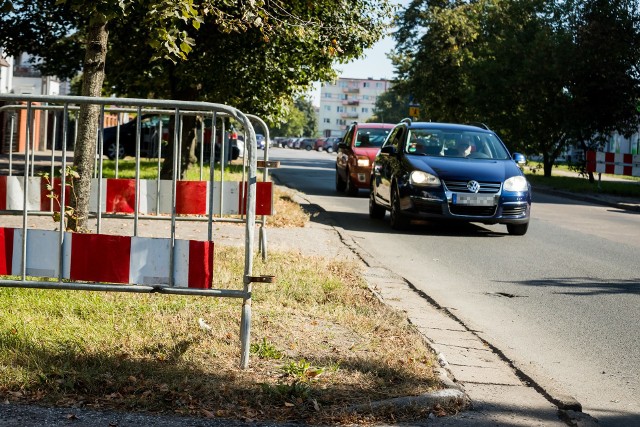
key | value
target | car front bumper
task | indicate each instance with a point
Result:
(497, 208)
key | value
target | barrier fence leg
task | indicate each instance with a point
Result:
(245, 332)
(262, 243)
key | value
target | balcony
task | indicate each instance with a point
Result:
(353, 102)
(350, 90)
(349, 115)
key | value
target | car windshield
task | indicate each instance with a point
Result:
(455, 143)
(371, 137)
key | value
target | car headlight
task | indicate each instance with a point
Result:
(516, 183)
(421, 178)
(363, 161)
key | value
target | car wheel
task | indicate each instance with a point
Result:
(375, 210)
(307, 147)
(329, 149)
(399, 221)
(351, 189)
(517, 229)
(111, 151)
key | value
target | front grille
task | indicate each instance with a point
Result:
(461, 187)
(517, 210)
(472, 210)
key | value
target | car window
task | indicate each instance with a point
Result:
(152, 122)
(397, 138)
(456, 143)
(425, 142)
(348, 137)
(371, 137)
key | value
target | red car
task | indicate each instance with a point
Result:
(356, 153)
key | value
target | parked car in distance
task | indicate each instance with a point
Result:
(356, 153)
(260, 141)
(126, 146)
(449, 171)
(234, 143)
(294, 142)
(319, 144)
(329, 144)
(307, 144)
(280, 141)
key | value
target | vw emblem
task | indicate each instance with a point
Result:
(473, 186)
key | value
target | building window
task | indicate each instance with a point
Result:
(327, 120)
(365, 97)
(379, 85)
(366, 84)
(327, 94)
(341, 122)
(342, 83)
(327, 108)
(340, 109)
(354, 109)
(365, 110)
(343, 96)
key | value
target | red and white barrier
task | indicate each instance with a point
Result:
(107, 259)
(613, 163)
(118, 196)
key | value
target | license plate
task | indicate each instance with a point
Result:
(472, 199)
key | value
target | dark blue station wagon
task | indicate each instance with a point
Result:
(449, 171)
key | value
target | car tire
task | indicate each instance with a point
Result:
(111, 151)
(340, 183)
(375, 210)
(518, 229)
(399, 221)
(351, 189)
(329, 149)
(307, 147)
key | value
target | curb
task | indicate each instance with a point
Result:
(453, 395)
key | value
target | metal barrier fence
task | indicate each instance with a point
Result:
(164, 265)
(155, 147)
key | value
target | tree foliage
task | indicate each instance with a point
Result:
(541, 73)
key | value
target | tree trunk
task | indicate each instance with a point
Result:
(547, 162)
(188, 136)
(88, 120)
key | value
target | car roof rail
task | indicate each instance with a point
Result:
(406, 120)
(479, 125)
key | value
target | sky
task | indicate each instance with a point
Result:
(374, 63)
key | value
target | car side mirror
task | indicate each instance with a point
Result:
(519, 158)
(342, 145)
(388, 150)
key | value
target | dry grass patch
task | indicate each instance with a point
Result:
(287, 213)
(321, 342)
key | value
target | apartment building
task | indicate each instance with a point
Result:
(348, 100)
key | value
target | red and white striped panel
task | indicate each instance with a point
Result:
(118, 196)
(613, 163)
(13, 192)
(43, 252)
(107, 258)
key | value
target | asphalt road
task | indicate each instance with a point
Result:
(561, 302)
